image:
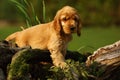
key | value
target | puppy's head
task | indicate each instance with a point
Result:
(67, 21)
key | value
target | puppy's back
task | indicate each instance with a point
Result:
(12, 36)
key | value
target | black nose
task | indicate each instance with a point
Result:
(72, 28)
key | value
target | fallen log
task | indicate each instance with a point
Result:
(9, 50)
(27, 63)
(107, 59)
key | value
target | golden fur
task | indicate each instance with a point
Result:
(53, 36)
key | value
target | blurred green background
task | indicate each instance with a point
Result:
(100, 19)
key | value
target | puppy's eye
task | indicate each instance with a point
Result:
(64, 19)
(75, 19)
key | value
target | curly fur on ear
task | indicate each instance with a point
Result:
(57, 24)
(79, 25)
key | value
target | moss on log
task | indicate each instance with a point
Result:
(28, 59)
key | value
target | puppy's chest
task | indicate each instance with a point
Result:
(57, 43)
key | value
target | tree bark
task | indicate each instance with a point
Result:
(108, 60)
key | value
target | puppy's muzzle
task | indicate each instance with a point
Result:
(72, 28)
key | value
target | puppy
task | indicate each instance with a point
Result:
(53, 36)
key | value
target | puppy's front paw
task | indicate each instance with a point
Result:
(62, 65)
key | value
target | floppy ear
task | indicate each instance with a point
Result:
(79, 25)
(57, 24)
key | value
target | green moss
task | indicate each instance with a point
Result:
(19, 68)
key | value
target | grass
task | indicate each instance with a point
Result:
(90, 39)
(94, 37)
(5, 31)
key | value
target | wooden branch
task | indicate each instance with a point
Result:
(108, 59)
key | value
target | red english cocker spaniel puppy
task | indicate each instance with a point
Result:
(53, 36)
